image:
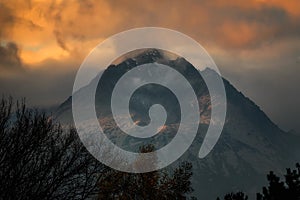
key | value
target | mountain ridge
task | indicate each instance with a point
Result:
(250, 144)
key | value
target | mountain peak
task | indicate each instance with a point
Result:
(250, 144)
(148, 56)
(141, 56)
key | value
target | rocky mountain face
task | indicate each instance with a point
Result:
(250, 144)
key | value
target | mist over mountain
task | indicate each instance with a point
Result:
(250, 144)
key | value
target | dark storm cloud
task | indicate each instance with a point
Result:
(9, 57)
(60, 40)
(7, 19)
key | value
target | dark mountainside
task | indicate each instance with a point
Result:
(250, 144)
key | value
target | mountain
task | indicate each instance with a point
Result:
(250, 144)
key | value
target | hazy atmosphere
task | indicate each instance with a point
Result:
(254, 43)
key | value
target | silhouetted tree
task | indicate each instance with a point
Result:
(292, 180)
(275, 190)
(153, 185)
(278, 190)
(41, 160)
(38, 160)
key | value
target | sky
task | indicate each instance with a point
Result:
(255, 44)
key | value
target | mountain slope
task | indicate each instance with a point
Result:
(250, 144)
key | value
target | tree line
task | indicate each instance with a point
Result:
(39, 159)
(277, 189)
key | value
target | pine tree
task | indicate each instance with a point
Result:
(278, 190)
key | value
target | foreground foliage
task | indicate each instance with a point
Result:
(277, 189)
(41, 160)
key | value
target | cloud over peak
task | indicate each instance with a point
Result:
(9, 56)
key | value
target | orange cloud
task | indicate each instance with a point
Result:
(60, 29)
(238, 35)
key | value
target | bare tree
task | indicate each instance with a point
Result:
(39, 160)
